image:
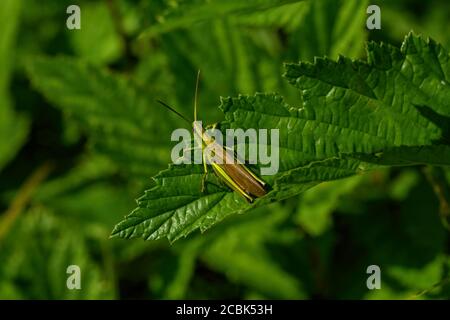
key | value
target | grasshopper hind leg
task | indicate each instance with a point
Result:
(205, 173)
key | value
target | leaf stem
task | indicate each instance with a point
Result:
(433, 287)
(22, 198)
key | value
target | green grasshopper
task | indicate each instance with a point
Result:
(236, 175)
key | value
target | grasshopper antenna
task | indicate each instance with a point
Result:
(196, 95)
(174, 111)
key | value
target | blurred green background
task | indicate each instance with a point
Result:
(68, 175)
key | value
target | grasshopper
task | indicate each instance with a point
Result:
(236, 175)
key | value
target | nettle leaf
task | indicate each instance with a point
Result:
(99, 41)
(175, 206)
(350, 113)
(183, 14)
(329, 27)
(287, 16)
(396, 102)
(114, 113)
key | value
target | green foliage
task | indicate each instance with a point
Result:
(314, 213)
(33, 259)
(241, 254)
(83, 91)
(330, 28)
(347, 111)
(184, 13)
(364, 176)
(400, 103)
(13, 127)
(99, 42)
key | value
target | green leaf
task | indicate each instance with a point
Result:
(392, 102)
(287, 16)
(33, 267)
(240, 250)
(348, 109)
(13, 127)
(87, 193)
(316, 205)
(331, 28)
(183, 14)
(97, 41)
(175, 206)
(115, 113)
(407, 243)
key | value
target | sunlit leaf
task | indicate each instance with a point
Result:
(349, 109)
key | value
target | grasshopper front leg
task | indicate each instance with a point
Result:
(180, 160)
